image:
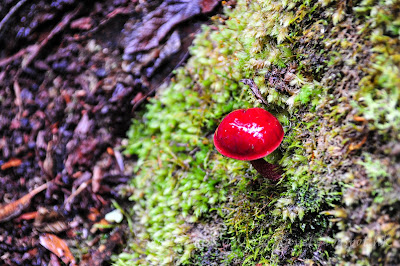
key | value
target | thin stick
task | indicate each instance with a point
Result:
(68, 202)
(35, 49)
(8, 60)
(10, 13)
(18, 99)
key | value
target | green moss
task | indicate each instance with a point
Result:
(339, 104)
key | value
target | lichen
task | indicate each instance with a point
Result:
(338, 201)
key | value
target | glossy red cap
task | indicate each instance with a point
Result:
(248, 134)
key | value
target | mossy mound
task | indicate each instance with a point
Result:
(330, 73)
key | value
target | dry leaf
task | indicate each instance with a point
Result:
(54, 260)
(84, 125)
(157, 24)
(58, 247)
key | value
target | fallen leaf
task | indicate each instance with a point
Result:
(84, 125)
(54, 260)
(157, 24)
(58, 247)
(48, 163)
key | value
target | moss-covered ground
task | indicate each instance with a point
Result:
(329, 71)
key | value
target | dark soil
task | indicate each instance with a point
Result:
(70, 83)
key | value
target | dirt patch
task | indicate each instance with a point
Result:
(69, 86)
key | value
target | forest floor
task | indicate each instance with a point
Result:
(72, 75)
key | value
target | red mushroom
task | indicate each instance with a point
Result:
(250, 135)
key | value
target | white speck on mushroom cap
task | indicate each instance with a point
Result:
(254, 129)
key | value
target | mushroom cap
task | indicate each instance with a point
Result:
(248, 134)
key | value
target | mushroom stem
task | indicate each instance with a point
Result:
(267, 170)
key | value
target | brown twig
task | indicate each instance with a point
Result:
(13, 209)
(8, 60)
(68, 202)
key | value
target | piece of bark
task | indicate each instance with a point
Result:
(157, 24)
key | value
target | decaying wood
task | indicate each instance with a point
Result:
(13, 209)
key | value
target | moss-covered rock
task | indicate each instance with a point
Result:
(329, 71)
